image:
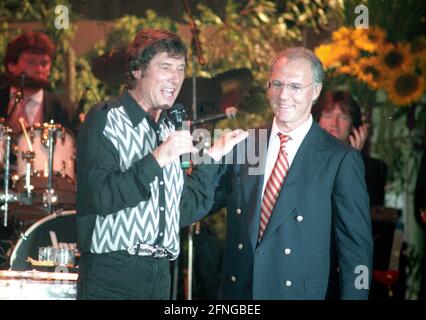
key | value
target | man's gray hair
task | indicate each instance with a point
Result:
(301, 53)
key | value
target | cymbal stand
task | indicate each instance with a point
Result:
(7, 197)
(49, 196)
(196, 52)
(28, 156)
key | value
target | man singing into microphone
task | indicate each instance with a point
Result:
(132, 193)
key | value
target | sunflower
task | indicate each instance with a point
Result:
(324, 53)
(368, 70)
(344, 58)
(350, 67)
(343, 35)
(405, 88)
(375, 34)
(395, 58)
(369, 39)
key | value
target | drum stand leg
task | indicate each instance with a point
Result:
(6, 197)
(51, 196)
(28, 157)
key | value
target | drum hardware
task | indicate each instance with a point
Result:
(49, 195)
(42, 151)
(28, 156)
(62, 188)
(7, 196)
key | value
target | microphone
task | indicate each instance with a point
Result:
(177, 115)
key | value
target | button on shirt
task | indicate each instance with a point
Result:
(296, 137)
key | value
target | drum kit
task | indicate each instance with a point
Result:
(38, 168)
(43, 178)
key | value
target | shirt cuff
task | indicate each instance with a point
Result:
(149, 168)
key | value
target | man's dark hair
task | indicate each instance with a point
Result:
(347, 104)
(31, 42)
(148, 43)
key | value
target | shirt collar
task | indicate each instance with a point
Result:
(136, 113)
(36, 97)
(296, 134)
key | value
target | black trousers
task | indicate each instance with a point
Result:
(121, 276)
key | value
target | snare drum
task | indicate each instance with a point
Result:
(59, 226)
(63, 175)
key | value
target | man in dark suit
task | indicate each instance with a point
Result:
(298, 217)
(28, 62)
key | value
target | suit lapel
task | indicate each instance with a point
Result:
(252, 176)
(303, 170)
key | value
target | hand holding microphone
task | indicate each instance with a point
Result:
(178, 142)
(181, 141)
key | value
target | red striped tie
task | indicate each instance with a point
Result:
(273, 185)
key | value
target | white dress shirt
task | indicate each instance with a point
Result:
(33, 107)
(296, 137)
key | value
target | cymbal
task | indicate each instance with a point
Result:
(111, 66)
(7, 79)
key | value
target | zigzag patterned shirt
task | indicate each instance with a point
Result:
(123, 197)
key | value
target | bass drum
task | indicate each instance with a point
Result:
(59, 226)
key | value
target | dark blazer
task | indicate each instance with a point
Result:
(375, 178)
(53, 107)
(322, 208)
(420, 191)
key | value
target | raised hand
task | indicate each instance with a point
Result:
(358, 137)
(226, 142)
